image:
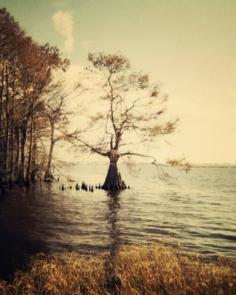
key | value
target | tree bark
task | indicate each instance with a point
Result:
(113, 179)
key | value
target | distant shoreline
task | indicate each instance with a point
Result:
(213, 166)
(194, 165)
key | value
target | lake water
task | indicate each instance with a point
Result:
(197, 211)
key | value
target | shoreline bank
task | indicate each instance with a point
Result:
(156, 269)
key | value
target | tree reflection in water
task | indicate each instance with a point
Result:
(113, 282)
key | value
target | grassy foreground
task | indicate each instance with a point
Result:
(134, 270)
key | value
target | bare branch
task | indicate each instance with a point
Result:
(93, 148)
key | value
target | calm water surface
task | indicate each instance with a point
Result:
(196, 210)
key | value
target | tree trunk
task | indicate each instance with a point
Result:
(17, 137)
(12, 138)
(48, 173)
(34, 160)
(28, 170)
(113, 179)
(7, 116)
(1, 118)
(20, 178)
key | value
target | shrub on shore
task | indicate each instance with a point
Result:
(131, 271)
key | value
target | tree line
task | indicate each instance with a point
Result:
(27, 112)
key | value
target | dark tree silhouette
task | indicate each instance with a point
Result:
(25, 74)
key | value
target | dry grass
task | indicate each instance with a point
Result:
(134, 270)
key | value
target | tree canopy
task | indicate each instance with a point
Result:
(130, 112)
(25, 75)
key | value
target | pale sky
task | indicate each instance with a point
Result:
(187, 45)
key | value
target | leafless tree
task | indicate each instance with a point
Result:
(133, 108)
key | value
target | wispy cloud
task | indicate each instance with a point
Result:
(64, 25)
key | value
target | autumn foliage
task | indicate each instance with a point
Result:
(25, 74)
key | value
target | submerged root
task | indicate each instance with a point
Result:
(115, 187)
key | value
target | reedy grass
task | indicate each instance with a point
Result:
(132, 271)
